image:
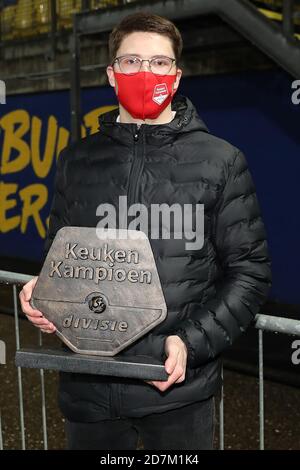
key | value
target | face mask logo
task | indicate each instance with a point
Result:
(160, 93)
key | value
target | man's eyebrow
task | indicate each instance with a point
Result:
(151, 57)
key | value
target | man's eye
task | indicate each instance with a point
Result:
(160, 62)
(130, 60)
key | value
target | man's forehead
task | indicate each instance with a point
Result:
(142, 55)
(138, 37)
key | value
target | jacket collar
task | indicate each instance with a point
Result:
(185, 120)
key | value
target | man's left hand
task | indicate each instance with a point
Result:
(175, 365)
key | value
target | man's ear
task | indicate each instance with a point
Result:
(177, 81)
(111, 75)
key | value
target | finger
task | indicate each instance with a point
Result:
(46, 327)
(33, 313)
(171, 362)
(47, 331)
(181, 367)
(22, 298)
(154, 383)
(27, 289)
(40, 321)
(163, 386)
(27, 309)
(35, 316)
(181, 378)
(43, 327)
(175, 375)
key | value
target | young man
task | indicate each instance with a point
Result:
(156, 150)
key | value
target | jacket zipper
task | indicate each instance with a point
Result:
(133, 185)
(136, 169)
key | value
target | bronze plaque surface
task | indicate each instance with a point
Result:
(100, 288)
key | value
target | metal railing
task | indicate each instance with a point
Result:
(29, 18)
(262, 323)
(15, 279)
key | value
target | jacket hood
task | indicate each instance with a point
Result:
(186, 119)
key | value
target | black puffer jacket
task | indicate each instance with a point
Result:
(212, 293)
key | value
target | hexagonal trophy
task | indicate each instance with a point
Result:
(101, 289)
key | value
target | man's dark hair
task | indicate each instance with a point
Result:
(145, 22)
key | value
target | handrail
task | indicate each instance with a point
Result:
(10, 277)
(262, 321)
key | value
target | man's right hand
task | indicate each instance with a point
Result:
(35, 316)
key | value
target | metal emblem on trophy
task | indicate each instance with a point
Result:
(101, 289)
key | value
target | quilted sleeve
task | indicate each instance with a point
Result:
(239, 236)
(59, 211)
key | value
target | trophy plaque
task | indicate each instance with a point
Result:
(101, 289)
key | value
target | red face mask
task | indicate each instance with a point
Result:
(144, 95)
